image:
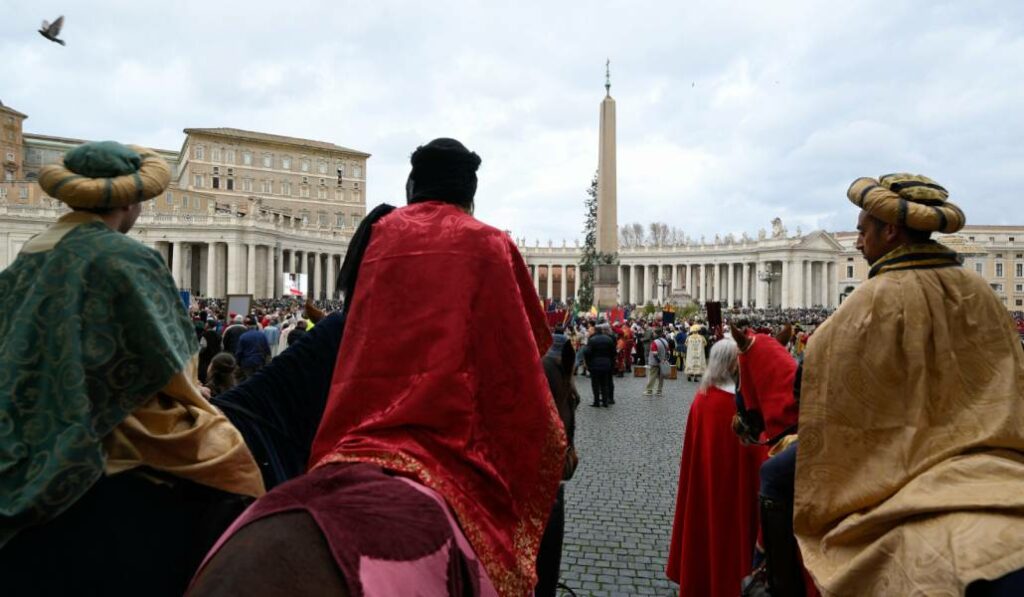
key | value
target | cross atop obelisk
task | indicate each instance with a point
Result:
(606, 285)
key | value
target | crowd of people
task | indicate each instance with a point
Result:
(296, 449)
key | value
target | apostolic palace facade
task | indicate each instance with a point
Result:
(246, 208)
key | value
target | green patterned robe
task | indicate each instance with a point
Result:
(89, 331)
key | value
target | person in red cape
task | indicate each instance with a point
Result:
(715, 525)
(769, 377)
(447, 402)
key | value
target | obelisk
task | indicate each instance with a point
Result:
(606, 283)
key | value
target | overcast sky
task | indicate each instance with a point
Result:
(729, 113)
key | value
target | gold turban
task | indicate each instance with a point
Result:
(146, 176)
(909, 200)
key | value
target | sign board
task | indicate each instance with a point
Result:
(239, 304)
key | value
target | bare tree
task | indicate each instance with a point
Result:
(631, 235)
(658, 235)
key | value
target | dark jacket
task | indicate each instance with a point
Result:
(253, 349)
(600, 353)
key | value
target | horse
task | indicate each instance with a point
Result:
(288, 552)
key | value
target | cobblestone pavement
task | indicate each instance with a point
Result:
(620, 505)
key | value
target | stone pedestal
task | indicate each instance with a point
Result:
(606, 286)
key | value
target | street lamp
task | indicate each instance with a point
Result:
(768, 276)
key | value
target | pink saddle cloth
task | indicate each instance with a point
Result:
(389, 535)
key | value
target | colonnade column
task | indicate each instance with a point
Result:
(745, 286)
(551, 281)
(833, 290)
(177, 260)
(234, 268)
(761, 294)
(806, 290)
(536, 278)
(785, 282)
(317, 286)
(211, 270)
(702, 282)
(270, 269)
(250, 268)
(332, 277)
(730, 287)
(564, 282)
(796, 283)
(633, 285)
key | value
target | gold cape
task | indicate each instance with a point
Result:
(910, 471)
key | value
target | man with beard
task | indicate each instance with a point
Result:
(910, 470)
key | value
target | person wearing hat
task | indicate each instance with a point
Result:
(108, 450)
(696, 357)
(438, 450)
(910, 470)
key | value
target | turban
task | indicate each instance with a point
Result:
(443, 170)
(106, 174)
(908, 200)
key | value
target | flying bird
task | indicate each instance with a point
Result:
(51, 30)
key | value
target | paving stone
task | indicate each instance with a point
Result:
(620, 505)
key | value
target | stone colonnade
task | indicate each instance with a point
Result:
(558, 281)
(794, 283)
(222, 268)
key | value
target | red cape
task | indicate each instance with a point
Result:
(439, 378)
(767, 373)
(716, 506)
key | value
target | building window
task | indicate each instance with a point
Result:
(1010, 239)
(356, 197)
(849, 272)
(340, 220)
(216, 182)
(999, 255)
(323, 182)
(999, 270)
(321, 193)
(197, 153)
(305, 180)
(305, 165)
(170, 198)
(339, 195)
(3, 192)
(22, 192)
(1020, 270)
(323, 219)
(216, 170)
(266, 187)
(357, 172)
(1018, 302)
(247, 184)
(304, 191)
(970, 238)
(247, 158)
(198, 181)
(231, 184)
(1018, 288)
(215, 154)
(268, 160)
(10, 156)
(184, 201)
(996, 286)
(286, 163)
(322, 167)
(980, 268)
(286, 188)
(305, 218)
(229, 156)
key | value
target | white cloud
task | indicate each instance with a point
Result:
(729, 113)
